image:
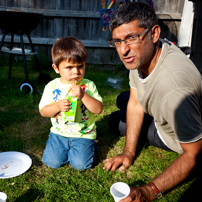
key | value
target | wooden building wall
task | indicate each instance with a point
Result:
(81, 19)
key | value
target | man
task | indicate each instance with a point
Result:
(165, 84)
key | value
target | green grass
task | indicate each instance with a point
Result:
(23, 129)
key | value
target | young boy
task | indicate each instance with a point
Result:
(70, 141)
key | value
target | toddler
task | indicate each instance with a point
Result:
(70, 141)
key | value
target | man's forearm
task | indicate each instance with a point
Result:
(134, 120)
(178, 171)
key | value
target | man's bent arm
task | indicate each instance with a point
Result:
(178, 171)
(181, 168)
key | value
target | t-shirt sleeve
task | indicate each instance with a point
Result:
(93, 92)
(47, 97)
(132, 77)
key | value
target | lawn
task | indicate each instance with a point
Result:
(23, 129)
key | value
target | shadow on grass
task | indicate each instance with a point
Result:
(10, 117)
(193, 193)
(14, 135)
(31, 195)
(36, 161)
(137, 182)
(107, 139)
(9, 142)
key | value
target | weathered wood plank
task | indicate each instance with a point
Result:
(81, 19)
(50, 41)
(85, 14)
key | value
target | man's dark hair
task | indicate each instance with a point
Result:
(131, 11)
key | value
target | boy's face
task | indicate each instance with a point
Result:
(70, 72)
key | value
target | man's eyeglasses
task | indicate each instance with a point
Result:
(129, 40)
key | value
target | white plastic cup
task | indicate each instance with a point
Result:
(3, 197)
(119, 190)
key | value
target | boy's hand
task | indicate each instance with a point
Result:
(64, 105)
(77, 91)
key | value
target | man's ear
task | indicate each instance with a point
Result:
(55, 68)
(156, 30)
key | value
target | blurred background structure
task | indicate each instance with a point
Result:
(81, 19)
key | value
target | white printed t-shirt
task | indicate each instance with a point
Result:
(84, 124)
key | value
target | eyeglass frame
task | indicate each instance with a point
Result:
(125, 40)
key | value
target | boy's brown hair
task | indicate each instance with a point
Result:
(70, 49)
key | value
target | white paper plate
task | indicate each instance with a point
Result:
(13, 164)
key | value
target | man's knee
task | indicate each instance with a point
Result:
(115, 118)
(122, 100)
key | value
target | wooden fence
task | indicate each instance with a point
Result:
(81, 19)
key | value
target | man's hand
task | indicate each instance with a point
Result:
(113, 163)
(140, 194)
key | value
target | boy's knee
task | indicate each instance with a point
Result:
(52, 163)
(78, 164)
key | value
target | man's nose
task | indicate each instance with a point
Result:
(124, 48)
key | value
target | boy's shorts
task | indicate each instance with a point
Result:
(79, 152)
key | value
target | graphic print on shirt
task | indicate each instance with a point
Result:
(85, 115)
(84, 110)
(57, 93)
(68, 127)
(86, 130)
